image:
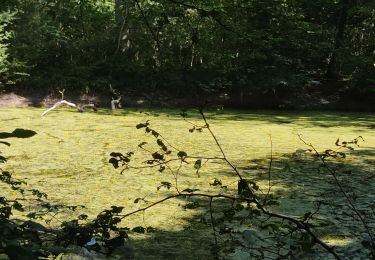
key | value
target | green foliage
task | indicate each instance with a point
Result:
(268, 49)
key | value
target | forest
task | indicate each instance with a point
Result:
(187, 129)
(262, 54)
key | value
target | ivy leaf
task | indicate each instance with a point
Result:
(243, 188)
(198, 164)
(157, 156)
(165, 184)
(139, 126)
(114, 162)
(142, 144)
(160, 142)
(182, 154)
(154, 133)
(116, 209)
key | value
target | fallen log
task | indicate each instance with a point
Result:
(64, 102)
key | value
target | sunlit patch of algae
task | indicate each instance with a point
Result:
(68, 160)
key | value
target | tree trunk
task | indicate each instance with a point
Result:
(332, 72)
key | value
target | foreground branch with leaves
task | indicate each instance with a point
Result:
(242, 214)
(247, 192)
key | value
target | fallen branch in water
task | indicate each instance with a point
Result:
(64, 102)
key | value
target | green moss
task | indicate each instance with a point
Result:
(68, 160)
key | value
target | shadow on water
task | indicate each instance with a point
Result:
(300, 185)
(325, 119)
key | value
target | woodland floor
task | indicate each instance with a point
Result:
(68, 160)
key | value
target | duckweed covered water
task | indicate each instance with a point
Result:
(68, 160)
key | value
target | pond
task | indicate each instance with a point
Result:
(68, 160)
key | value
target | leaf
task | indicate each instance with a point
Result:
(139, 126)
(190, 190)
(157, 156)
(114, 154)
(243, 188)
(165, 184)
(114, 162)
(116, 209)
(160, 143)
(198, 164)
(2, 159)
(154, 133)
(82, 217)
(142, 144)
(31, 215)
(18, 206)
(337, 143)
(137, 200)
(216, 182)
(182, 154)
(139, 229)
(306, 215)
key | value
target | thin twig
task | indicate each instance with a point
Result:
(339, 185)
(184, 195)
(259, 205)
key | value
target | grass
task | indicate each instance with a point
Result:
(68, 160)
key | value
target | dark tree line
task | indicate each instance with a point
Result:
(274, 49)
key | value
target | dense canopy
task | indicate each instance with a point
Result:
(275, 49)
